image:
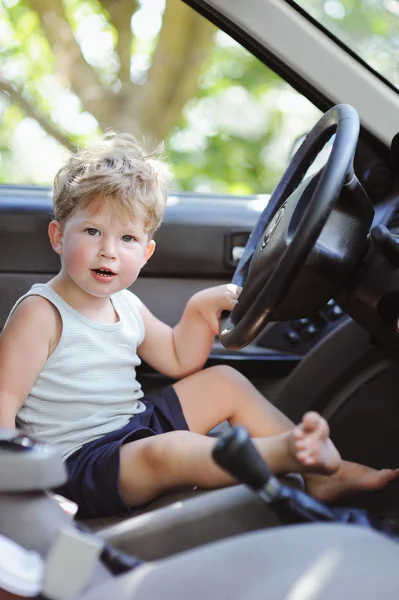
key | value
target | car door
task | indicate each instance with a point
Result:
(204, 232)
(198, 246)
(206, 228)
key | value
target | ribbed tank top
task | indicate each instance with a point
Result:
(88, 386)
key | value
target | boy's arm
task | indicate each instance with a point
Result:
(24, 347)
(184, 349)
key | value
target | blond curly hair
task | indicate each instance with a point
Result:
(117, 170)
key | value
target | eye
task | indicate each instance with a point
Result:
(92, 231)
(128, 238)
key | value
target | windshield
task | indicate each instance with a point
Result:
(369, 28)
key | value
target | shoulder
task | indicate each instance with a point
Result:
(34, 314)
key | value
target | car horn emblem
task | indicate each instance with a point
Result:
(271, 228)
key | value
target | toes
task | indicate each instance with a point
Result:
(297, 434)
(305, 458)
(311, 444)
(389, 474)
(313, 423)
(377, 480)
(301, 444)
(310, 422)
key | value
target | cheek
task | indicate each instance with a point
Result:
(76, 256)
(133, 263)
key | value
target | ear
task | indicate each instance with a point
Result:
(149, 251)
(55, 235)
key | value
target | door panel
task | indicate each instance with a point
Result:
(199, 232)
(192, 241)
(166, 297)
(196, 247)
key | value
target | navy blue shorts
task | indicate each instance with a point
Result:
(93, 470)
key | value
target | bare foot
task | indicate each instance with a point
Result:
(312, 447)
(350, 478)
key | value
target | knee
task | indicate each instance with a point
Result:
(226, 375)
(162, 451)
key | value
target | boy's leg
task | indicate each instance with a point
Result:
(222, 393)
(217, 394)
(155, 464)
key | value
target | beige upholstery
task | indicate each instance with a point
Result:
(301, 562)
(193, 520)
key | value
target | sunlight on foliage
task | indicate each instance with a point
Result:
(370, 28)
(72, 68)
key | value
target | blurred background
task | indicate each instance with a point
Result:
(70, 69)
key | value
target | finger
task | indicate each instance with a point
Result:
(233, 290)
(229, 303)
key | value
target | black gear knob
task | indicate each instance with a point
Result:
(236, 453)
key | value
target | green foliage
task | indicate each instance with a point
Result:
(233, 136)
(227, 161)
(369, 27)
(10, 118)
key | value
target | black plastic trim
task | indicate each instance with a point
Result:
(252, 365)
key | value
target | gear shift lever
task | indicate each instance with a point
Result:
(236, 454)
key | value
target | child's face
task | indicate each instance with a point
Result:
(102, 254)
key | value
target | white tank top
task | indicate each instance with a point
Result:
(88, 386)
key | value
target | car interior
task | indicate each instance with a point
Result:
(316, 326)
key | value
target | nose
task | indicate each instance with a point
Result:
(108, 248)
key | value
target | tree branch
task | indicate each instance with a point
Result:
(121, 12)
(82, 78)
(185, 42)
(49, 126)
(150, 109)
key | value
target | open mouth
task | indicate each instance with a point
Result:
(104, 272)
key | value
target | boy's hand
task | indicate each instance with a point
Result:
(184, 349)
(211, 302)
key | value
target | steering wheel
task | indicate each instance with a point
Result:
(309, 238)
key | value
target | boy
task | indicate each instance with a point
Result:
(70, 347)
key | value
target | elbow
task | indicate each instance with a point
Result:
(183, 371)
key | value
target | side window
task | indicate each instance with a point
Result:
(156, 69)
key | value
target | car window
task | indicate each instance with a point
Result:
(369, 28)
(71, 69)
